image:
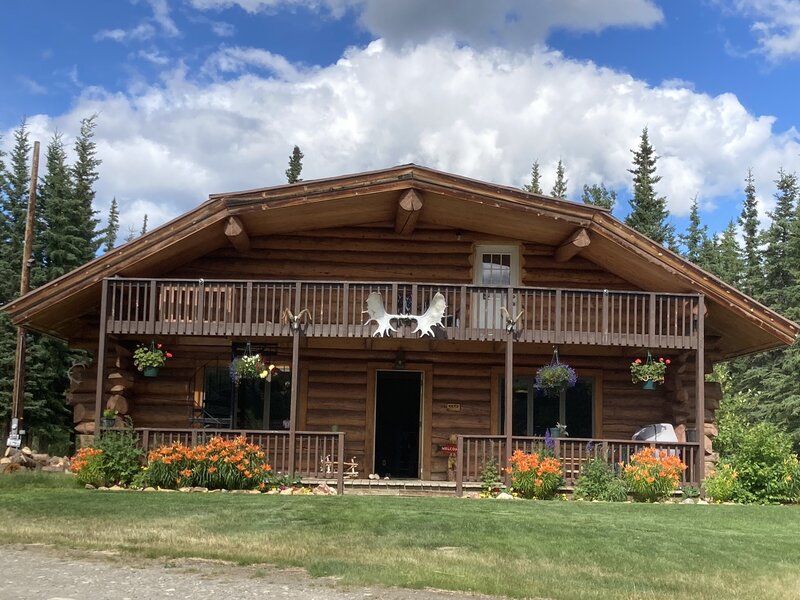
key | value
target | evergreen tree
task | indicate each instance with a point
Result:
(534, 187)
(14, 208)
(144, 225)
(727, 261)
(778, 275)
(295, 166)
(753, 278)
(560, 186)
(648, 212)
(84, 175)
(599, 196)
(696, 241)
(63, 234)
(112, 229)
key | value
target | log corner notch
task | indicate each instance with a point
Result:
(408, 209)
(237, 234)
(574, 244)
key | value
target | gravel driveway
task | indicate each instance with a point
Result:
(34, 572)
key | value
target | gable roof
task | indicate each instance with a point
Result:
(371, 197)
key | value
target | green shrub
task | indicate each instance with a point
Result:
(121, 458)
(597, 481)
(491, 484)
(765, 465)
(722, 484)
(87, 464)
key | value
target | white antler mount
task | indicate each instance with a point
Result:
(425, 322)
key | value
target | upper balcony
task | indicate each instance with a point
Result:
(339, 309)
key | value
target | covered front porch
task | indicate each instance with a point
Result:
(466, 380)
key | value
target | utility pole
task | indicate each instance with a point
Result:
(18, 398)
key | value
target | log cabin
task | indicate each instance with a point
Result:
(404, 314)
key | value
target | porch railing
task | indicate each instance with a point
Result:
(315, 452)
(474, 452)
(258, 308)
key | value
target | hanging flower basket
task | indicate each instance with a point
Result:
(149, 359)
(250, 367)
(556, 376)
(649, 372)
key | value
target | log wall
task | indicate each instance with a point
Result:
(335, 385)
(378, 254)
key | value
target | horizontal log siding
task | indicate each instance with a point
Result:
(336, 395)
(469, 386)
(377, 253)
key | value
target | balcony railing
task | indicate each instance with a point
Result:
(258, 309)
(476, 451)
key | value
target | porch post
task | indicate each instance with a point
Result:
(101, 360)
(509, 395)
(699, 394)
(295, 382)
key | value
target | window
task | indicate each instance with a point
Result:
(253, 404)
(534, 412)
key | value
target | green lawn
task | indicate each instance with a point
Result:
(519, 549)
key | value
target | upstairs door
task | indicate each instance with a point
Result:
(495, 266)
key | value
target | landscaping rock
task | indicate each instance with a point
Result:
(687, 501)
(199, 489)
(323, 489)
(116, 488)
(287, 492)
(504, 496)
(149, 489)
(701, 501)
(89, 486)
(185, 489)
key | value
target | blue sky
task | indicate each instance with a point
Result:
(201, 96)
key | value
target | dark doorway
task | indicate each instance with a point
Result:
(397, 423)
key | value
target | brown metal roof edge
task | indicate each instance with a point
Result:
(720, 291)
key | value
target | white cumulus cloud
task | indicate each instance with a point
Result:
(485, 114)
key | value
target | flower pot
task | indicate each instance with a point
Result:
(150, 371)
(649, 385)
(107, 423)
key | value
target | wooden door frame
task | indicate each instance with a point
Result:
(426, 413)
(597, 401)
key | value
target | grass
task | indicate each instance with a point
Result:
(518, 549)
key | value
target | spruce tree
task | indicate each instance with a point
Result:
(649, 212)
(534, 187)
(598, 195)
(15, 207)
(112, 228)
(753, 277)
(778, 275)
(727, 262)
(144, 225)
(295, 166)
(696, 241)
(84, 174)
(560, 186)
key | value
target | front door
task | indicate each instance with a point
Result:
(398, 396)
(495, 266)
